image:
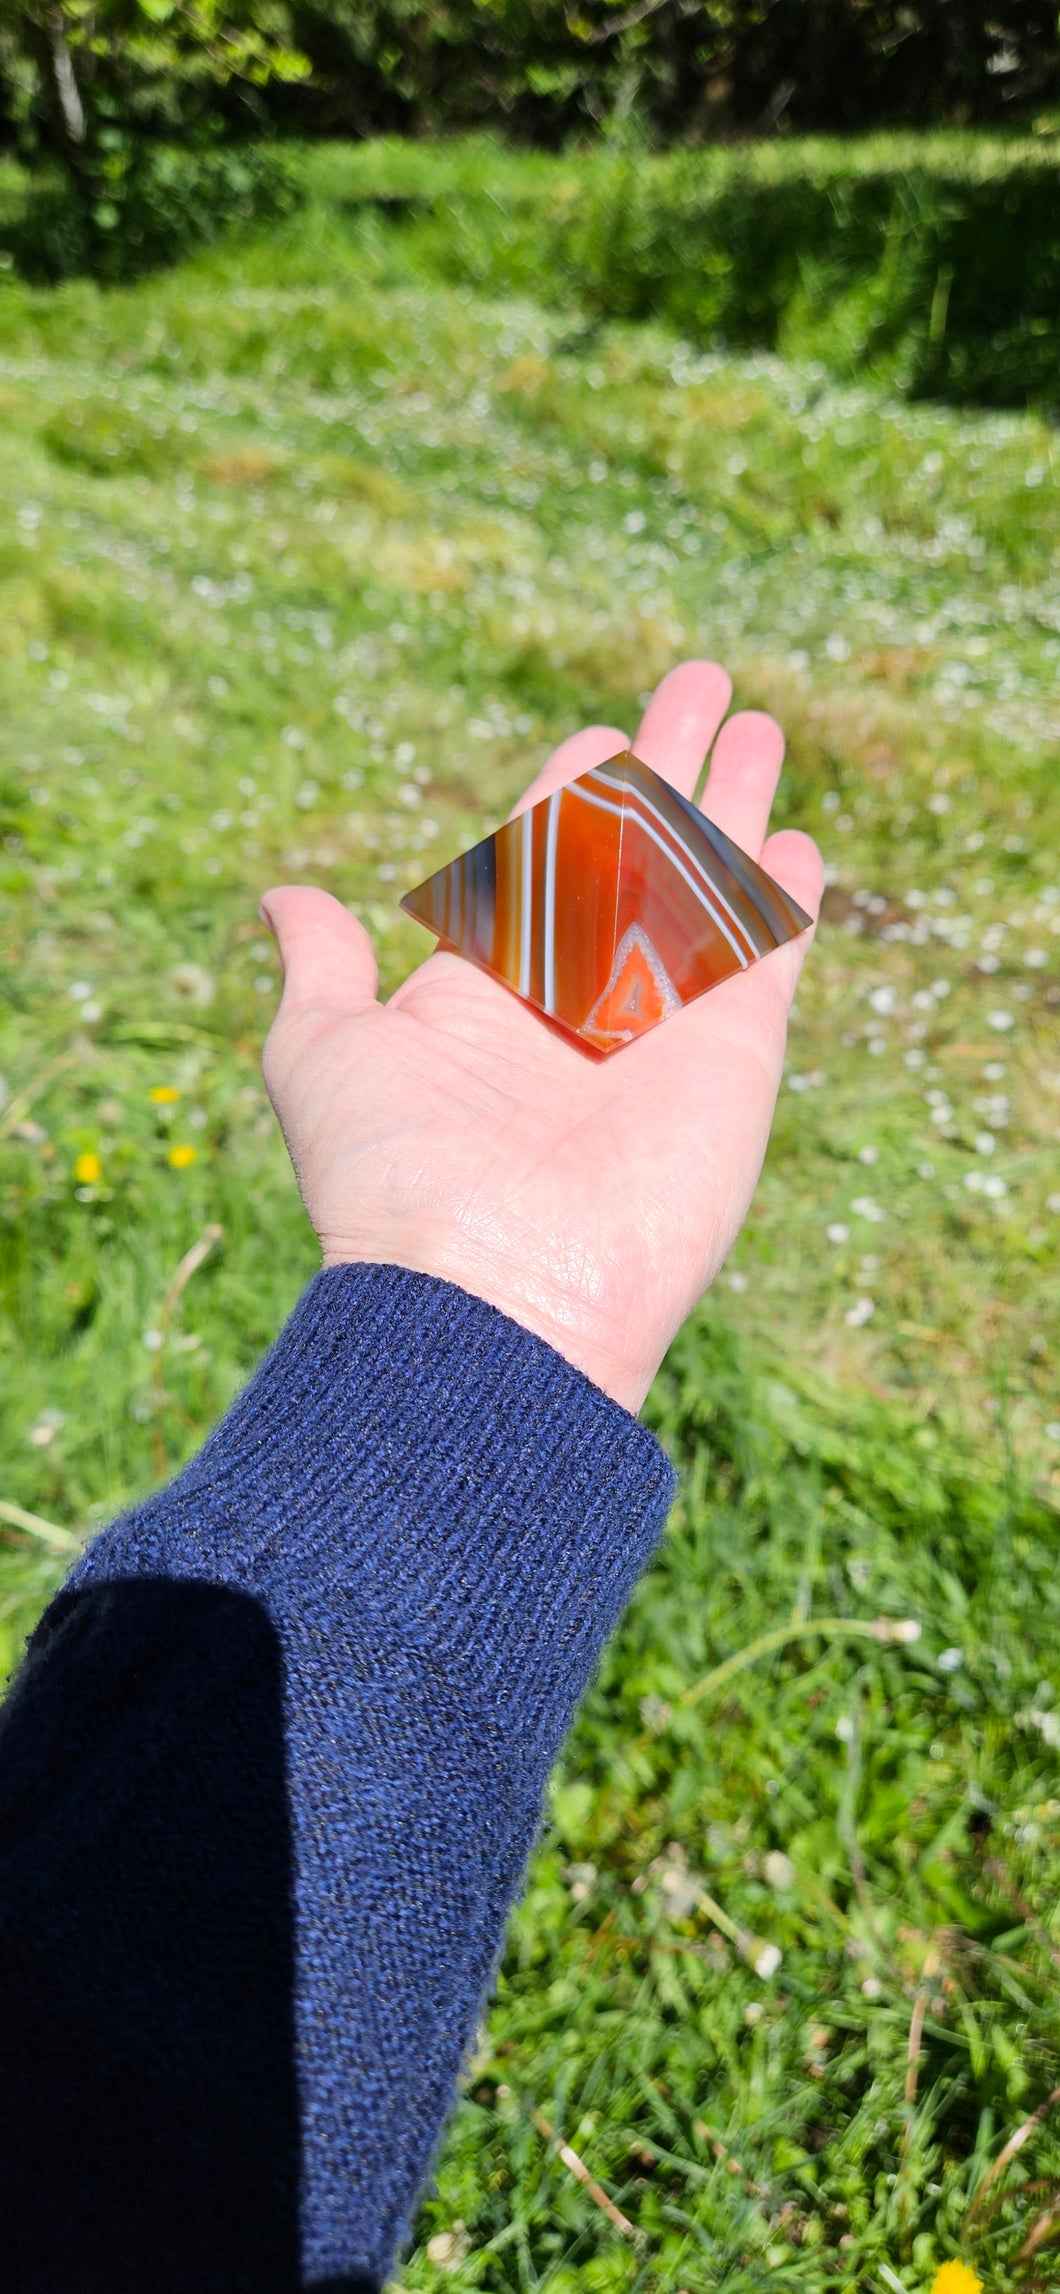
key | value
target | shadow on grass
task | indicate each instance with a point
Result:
(161, 204)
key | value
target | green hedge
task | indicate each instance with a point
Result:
(932, 263)
(147, 206)
(945, 277)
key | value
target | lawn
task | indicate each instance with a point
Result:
(307, 557)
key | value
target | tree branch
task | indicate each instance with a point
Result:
(615, 25)
(64, 79)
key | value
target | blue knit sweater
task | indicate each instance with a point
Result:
(268, 1779)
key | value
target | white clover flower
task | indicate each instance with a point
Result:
(449, 2249)
(766, 1958)
(49, 1423)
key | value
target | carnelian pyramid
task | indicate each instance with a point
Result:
(608, 905)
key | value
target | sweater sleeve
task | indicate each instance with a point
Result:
(268, 1779)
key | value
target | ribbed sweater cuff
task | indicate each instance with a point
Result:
(439, 1470)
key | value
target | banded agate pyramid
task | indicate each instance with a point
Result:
(608, 905)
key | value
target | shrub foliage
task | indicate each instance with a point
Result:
(690, 69)
(103, 87)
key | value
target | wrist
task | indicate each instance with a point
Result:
(565, 1319)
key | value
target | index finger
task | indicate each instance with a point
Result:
(593, 746)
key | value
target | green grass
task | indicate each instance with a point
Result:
(306, 559)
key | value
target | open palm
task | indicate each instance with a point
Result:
(450, 1131)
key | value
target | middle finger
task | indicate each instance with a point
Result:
(681, 720)
(744, 771)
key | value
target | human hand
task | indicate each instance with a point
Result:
(451, 1132)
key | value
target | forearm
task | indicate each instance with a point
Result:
(278, 1753)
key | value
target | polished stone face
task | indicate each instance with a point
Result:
(608, 905)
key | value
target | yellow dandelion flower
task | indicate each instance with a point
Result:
(178, 1159)
(956, 2278)
(87, 1170)
(163, 1095)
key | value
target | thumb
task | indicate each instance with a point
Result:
(327, 956)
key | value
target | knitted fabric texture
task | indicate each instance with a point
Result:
(275, 1762)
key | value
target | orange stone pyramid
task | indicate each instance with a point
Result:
(608, 905)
